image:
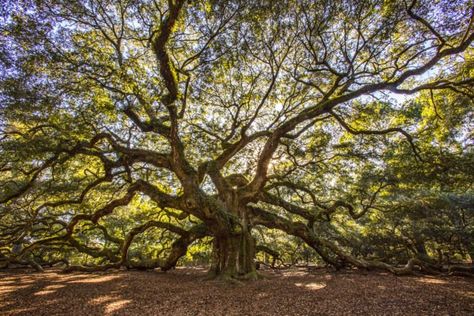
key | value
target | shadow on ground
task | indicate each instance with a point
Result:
(187, 292)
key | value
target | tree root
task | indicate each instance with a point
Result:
(251, 276)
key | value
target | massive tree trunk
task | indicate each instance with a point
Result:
(233, 255)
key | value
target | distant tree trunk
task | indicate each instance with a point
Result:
(440, 256)
(421, 249)
(471, 254)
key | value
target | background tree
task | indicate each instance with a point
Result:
(131, 130)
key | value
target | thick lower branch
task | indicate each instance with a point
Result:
(270, 220)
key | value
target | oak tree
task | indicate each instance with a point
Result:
(132, 129)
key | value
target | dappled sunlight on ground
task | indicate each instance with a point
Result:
(186, 291)
(432, 281)
(312, 285)
(116, 305)
(95, 279)
(11, 288)
(102, 299)
(44, 292)
(112, 303)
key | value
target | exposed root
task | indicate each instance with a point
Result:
(226, 278)
(234, 278)
(251, 276)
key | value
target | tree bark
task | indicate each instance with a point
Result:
(233, 256)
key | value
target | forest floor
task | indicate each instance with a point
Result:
(186, 291)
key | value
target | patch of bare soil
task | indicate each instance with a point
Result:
(187, 292)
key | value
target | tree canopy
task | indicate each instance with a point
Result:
(142, 132)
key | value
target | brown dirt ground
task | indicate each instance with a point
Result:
(187, 292)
